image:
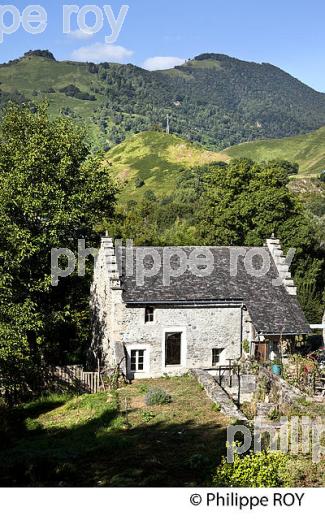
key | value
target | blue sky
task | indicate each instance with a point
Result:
(287, 33)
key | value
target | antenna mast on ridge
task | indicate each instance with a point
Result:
(167, 126)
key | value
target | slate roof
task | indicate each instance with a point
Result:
(272, 309)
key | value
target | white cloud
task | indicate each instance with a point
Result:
(78, 34)
(162, 62)
(100, 52)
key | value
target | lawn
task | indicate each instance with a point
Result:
(114, 439)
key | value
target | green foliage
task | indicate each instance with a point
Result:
(245, 202)
(216, 407)
(147, 416)
(316, 204)
(73, 91)
(262, 469)
(311, 301)
(143, 389)
(139, 183)
(274, 414)
(245, 346)
(157, 396)
(52, 194)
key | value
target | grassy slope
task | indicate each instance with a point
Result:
(91, 441)
(158, 159)
(39, 74)
(307, 150)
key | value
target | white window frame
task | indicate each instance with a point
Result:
(146, 360)
(176, 330)
(137, 356)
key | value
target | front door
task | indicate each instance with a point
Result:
(173, 348)
(261, 352)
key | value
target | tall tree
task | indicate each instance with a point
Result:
(244, 202)
(52, 194)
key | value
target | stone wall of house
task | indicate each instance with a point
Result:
(107, 305)
(202, 328)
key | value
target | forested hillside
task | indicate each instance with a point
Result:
(213, 99)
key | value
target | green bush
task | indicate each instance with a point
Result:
(143, 389)
(246, 346)
(157, 396)
(139, 183)
(216, 407)
(262, 469)
(147, 416)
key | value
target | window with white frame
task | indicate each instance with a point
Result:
(137, 360)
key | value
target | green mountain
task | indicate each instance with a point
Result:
(213, 99)
(306, 150)
(155, 161)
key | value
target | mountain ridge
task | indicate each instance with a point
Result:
(213, 99)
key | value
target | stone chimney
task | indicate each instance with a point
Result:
(277, 254)
(110, 263)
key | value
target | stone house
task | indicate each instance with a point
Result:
(199, 314)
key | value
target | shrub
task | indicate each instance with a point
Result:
(157, 396)
(85, 96)
(262, 469)
(147, 416)
(150, 196)
(216, 407)
(274, 414)
(246, 346)
(139, 183)
(70, 90)
(143, 389)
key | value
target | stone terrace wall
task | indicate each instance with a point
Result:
(287, 393)
(218, 395)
